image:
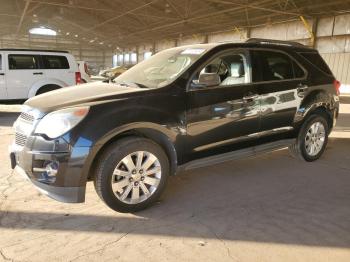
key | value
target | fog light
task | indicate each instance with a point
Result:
(49, 172)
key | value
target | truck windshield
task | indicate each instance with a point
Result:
(162, 68)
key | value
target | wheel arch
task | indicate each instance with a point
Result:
(316, 102)
(40, 84)
(162, 138)
(48, 86)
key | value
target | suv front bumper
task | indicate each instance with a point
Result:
(62, 194)
(67, 183)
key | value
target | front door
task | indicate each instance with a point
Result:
(3, 93)
(223, 111)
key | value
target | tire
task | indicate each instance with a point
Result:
(114, 160)
(46, 89)
(304, 144)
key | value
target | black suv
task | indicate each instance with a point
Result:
(183, 108)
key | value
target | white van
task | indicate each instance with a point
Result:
(25, 73)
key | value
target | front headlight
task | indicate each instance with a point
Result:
(59, 122)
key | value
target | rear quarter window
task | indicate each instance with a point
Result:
(316, 60)
(23, 62)
(55, 62)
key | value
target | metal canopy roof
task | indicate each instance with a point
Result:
(123, 23)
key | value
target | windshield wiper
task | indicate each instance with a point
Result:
(140, 85)
(124, 83)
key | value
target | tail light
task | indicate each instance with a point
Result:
(77, 78)
(337, 85)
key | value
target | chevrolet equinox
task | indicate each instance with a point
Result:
(183, 108)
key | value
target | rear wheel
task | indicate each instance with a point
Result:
(46, 89)
(131, 174)
(312, 139)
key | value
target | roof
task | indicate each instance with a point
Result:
(102, 23)
(33, 50)
(254, 42)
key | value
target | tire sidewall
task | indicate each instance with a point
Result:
(302, 134)
(115, 154)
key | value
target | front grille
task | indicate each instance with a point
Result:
(26, 117)
(20, 139)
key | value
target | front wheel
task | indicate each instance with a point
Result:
(312, 139)
(131, 174)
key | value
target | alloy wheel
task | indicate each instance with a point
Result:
(315, 138)
(136, 177)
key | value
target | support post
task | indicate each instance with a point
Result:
(241, 35)
(309, 29)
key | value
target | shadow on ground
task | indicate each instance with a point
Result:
(271, 198)
(8, 118)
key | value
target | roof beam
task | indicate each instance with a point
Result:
(175, 8)
(154, 16)
(71, 6)
(121, 15)
(255, 7)
(22, 16)
(188, 20)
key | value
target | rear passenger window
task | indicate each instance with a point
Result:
(23, 62)
(0, 62)
(275, 66)
(55, 62)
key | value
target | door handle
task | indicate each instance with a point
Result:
(302, 88)
(38, 73)
(2, 74)
(250, 97)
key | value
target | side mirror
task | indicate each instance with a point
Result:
(209, 79)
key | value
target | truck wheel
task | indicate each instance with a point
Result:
(131, 174)
(312, 139)
(46, 89)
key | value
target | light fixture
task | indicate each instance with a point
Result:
(101, 43)
(76, 35)
(67, 33)
(42, 31)
(91, 41)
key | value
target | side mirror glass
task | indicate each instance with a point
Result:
(209, 79)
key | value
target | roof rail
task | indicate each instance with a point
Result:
(274, 42)
(33, 50)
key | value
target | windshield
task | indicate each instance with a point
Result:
(162, 68)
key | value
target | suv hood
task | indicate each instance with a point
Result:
(87, 94)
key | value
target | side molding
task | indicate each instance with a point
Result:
(243, 153)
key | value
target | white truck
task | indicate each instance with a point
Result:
(25, 73)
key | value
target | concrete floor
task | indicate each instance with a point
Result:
(268, 208)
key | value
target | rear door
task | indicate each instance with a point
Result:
(281, 83)
(3, 93)
(23, 70)
(57, 67)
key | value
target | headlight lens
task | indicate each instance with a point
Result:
(59, 122)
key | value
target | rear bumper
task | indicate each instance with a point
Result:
(62, 194)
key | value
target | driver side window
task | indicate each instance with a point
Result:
(226, 70)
